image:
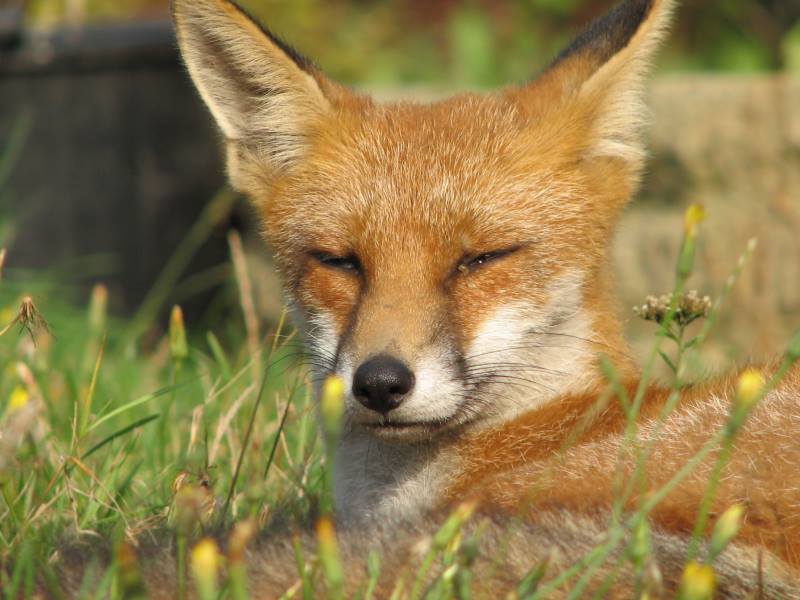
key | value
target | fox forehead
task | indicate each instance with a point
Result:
(411, 190)
(466, 174)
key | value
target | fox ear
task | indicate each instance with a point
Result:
(600, 77)
(265, 97)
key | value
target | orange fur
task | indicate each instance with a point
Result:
(553, 457)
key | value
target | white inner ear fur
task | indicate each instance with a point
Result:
(263, 102)
(616, 91)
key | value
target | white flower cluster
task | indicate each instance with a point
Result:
(688, 308)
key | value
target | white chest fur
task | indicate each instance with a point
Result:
(376, 479)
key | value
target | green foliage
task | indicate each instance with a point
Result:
(791, 49)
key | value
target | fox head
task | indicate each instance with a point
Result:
(447, 260)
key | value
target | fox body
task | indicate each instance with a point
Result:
(449, 262)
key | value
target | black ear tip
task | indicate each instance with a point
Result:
(612, 32)
(300, 60)
(181, 6)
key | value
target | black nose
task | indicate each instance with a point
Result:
(382, 382)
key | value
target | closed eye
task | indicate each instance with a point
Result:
(471, 262)
(348, 263)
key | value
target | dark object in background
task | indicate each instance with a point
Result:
(120, 157)
(10, 26)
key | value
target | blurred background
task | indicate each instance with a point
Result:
(110, 169)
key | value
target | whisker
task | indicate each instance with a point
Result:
(506, 367)
(512, 380)
(519, 347)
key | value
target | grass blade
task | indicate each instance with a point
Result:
(120, 433)
(133, 404)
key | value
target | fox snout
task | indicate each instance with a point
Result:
(382, 383)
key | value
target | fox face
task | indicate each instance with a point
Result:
(425, 276)
(447, 260)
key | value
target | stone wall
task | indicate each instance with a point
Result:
(733, 145)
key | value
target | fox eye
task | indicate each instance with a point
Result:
(470, 263)
(342, 263)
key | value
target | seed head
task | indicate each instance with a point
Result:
(690, 307)
(29, 318)
(194, 502)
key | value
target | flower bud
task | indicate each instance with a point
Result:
(332, 405)
(639, 547)
(693, 216)
(130, 576)
(726, 528)
(98, 309)
(178, 347)
(329, 557)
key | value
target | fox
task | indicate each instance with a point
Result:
(449, 263)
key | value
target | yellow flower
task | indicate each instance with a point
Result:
(749, 388)
(205, 556)
(326, 533)
(205, 561)
(698, 582)
(7, 315)
(693, 216)
(19, 398)
(332, 404)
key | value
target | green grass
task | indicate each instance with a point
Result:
(102, 430)
(102, 419)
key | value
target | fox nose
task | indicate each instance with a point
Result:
(382, 382)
